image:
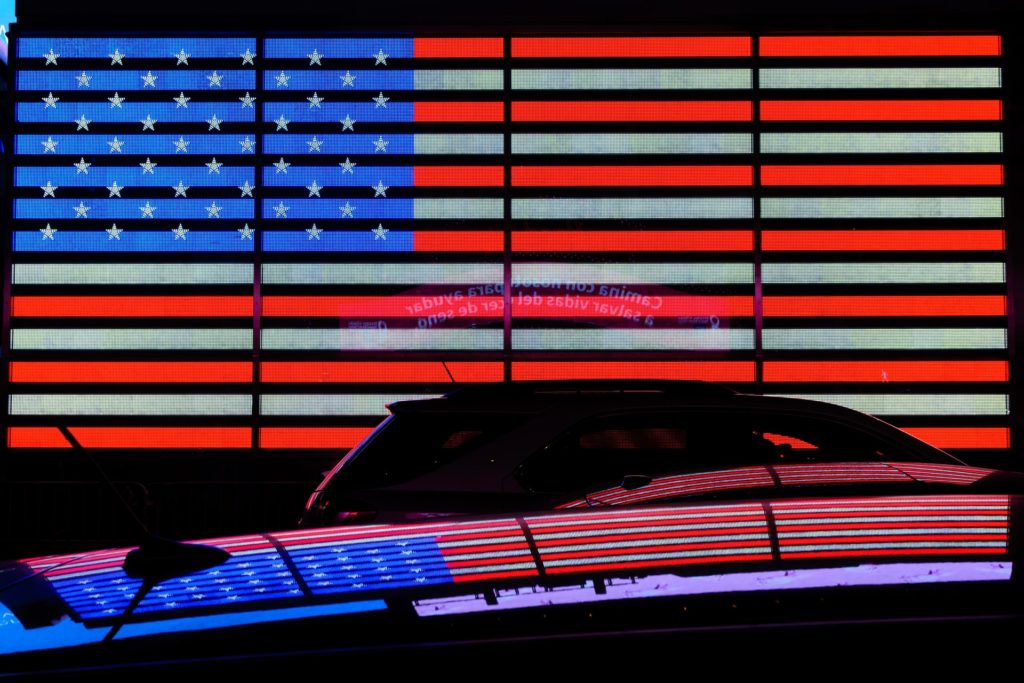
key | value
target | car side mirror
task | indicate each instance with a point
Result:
(631, 482)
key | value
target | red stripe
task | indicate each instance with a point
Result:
(312, 437)
(882, 110)
(129, 371)
(452, 536)
(839, 512)
(87, 567)
(880, 46)
(899, 551)
(489, 561)
(631, 176)
(429, 48)
(380, 371)
(615, 525)
(995, 524)
(888, 538)
(132, 437)
(682, 533)
(451, 240)
(131, 306)
(610, 566)
(435, 112)
(379, 306)
(458, 176)
(887, 371)
(647, 46)
(490, 548)
(488, 576)
(627, 110)
(714, 371)
(962, 437)
(567, 305)
(634, 240)
(933, 174)
(550, 556)
(900, 306)
(884, 240)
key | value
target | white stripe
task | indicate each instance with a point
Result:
(931, 77)
(631, 79)
(916, 404)
(50, 339)
(893, 546)
(131, 404)
(894, 531)
(881, 143)
(458, 557)
(460, 208)
(585, 278)
(458, 79)
(332, 404)
(884, 338)
(639, 557)
(673, 515)
(839, 519)
(630, 208)
(302, 339)
(883, 273)
(631, 143)
(639, 339)
(551, 536)
(383, 273)
(638, 543)
(879, 207)
(458, 143)
(463, 571)
(791, 509)
(131, 273)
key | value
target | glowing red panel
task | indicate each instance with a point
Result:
(887, 371)
(129, 371)
(428, 48)
(946, 174)
(634, 240)
(882, 110)
(962, 437)
(647, 46)
(132, 437)
(434, 112)
(880, 46)
(378, 306)
(312, 437)
(380, 371)
(458, 176)
(631, 111)
(713, 371)
(555, 306)
(909, 306)
(883, 240)
(630, 176)
(130, 306)
(457, 241)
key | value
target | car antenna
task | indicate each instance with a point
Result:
(157, 558)
(450, 375)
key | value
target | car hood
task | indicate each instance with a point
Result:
(361, 587)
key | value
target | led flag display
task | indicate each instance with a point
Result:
(228, 242)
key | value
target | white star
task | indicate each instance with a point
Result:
(182, 58)
(314, 232)
(314, 144)
(346, 211)
(182, 100)
(116, 57)
(114, 232)
(214, 123)
(81, 211)
(180, 189)
(115, 190)
(247, 101)
(47, 232)
(246, 189)
(50, 101)
(51, 58)
(247, 57)
(82, 167)
(215, 79)
(147, 123)
(214, 166)
(149, 80)
(282, 80)
(148, 166)
(282, 122)
(380, 101)
(381, 58)
(180, 232)
(115, 145)
(147, 210)
(180, 145)
(380, 144)
(281, 211)
(246, 232)
(380, 189)
(213, 210)
(380, 232)
(83, 123)
(347, 166)
(348, 79)
(246, 144)
(314, 101)
(83, 80)
(314, 58)
(49, 144)
(347, 123)
(115, 101)
(314, 189)
(281, 166)
(48, 189)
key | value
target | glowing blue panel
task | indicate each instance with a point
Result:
(131, 241)
(338, 48)
(137, 48)
(132, 79)
(179, 208)
(85, 144)
(337, 240)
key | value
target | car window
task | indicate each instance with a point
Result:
(603, 450)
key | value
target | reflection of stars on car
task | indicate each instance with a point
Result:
(314, 144)
(180, 145)
(380, 189)
(51, 57)
(380, 232)
(116, 101)
(48, 189)
(348, 80)
(314, 58)
(380, 101)
(147, 123)
(314, 189)
(381, 58)
(180, 189)
(181, 100)
(83, 123)
(247, 101)
(214, 122)
(147, 210)
(180, 232)
(282, 122)
(149, 80)
(347, 123)
(246, 232)
(81, 211)
(215, 79)
(114, 189)
(247, 57)
(246, 189)
(48, 232)
(115, 145)
(49, 144)
(182, 57)
(314, 232)
(282, 79)
(380, 144)
(281, 211)
(314, 101)
(346, 211)
(114, 232)
(116, 56)
(246, 144)
(148, 166)
(213, 210)
(214, 166)
(82, 167)
(50, 101)
(348, 166)
(83, 80)
(281, 166)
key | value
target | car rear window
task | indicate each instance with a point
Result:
(412, 445)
